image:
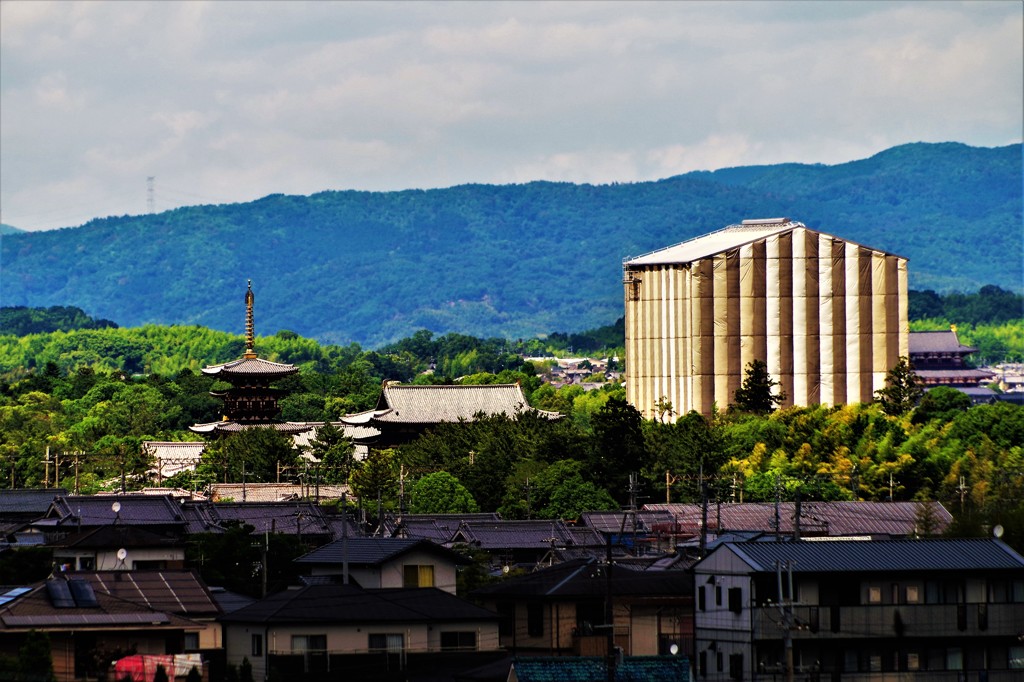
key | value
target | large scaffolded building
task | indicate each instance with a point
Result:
(828, 317)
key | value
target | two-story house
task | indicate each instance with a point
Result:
(854, 611)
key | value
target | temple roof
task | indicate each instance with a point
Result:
(251, 367)
(944, 341)
(235, 427)
(409, 404)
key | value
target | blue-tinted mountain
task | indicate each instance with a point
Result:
(510, 260)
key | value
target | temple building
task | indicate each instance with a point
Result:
(939, 359)
(827, 316)
(250, 401)
(405, 412)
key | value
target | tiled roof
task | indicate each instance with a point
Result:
(97, 510)
(616, 522)
(965, 374)
(274, 492)
(351, 430)
(349, 604)
(588, 578)
(292, 518)
(853, 556)
(235, 427)
(594, 669)
(439, 528)
(817, 518)
(27, 501)
(497, 535)
(937, 342)
(375, 551)
(251, 366)
(409, 404)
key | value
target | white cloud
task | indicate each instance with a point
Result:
(229, 101)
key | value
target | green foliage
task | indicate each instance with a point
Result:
(441, 493)
(335, 452)
(22, 321)
(35, 659)
(757, 394)
(245, 671)
(160, 675)
(194, 675)
(971, 199)
(377, 478)
(942, 403)
(903, 389)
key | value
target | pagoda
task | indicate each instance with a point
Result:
(250, 402)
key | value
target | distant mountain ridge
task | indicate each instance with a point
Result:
(513, 260)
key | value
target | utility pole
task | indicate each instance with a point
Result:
(344, 538)
(609, 613)
(786, 614)
(703, 514)
(778, 500)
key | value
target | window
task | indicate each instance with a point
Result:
(874, 594)
(191, 641)
(720, 660)
(718, 595)
(702, 663)
(86, 563)
(535, 619)
(735, 599)
(913, 594)
(913, 661)
(1016, 657)
(736, 666)
(507, 612)
(257, 645)
(314, 652)
(462, 641)
(701, 599)
(386, 642)
(418, 575)
(954, 658)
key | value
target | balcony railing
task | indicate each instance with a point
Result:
(888, 620)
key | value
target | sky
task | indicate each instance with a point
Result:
(114, 108)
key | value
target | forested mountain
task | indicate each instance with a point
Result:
(505, 261)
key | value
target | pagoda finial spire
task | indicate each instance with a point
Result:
(250, 327)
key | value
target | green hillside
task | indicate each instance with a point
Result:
(505, 261)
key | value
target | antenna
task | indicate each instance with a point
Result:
(150, 198)
(122, 554)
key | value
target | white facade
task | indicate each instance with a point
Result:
(827, 317)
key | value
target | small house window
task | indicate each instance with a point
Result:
(392, 643)
(416, 575)
(735, 599)
(458, 641)
(874, 594)
(191, 642)
(257, 646)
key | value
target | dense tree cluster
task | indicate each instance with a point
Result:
(91, 417)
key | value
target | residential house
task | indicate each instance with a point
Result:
(381, 563)
(321, 630)
(89, 628)
(941, 610)
(808, 519)
(562, 610)
(119, 547)
(72, 514)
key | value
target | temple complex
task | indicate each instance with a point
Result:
(250, 401)
(939, 359)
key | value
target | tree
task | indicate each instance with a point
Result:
(441, 493)
(756, 394)
(902, 389)
(942, 403)
(194, 675)
(619, 447)
(35, 658)
(377, 477)
(335, 452)
(160, 675)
